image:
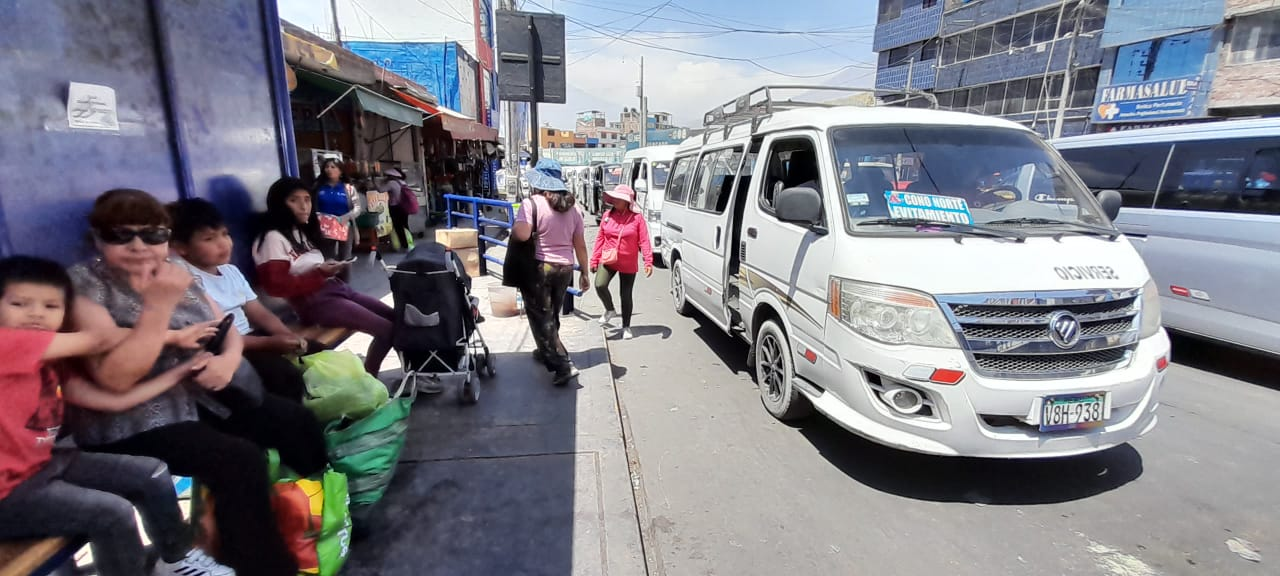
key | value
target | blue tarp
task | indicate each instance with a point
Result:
(434, 65)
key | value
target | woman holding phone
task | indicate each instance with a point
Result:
(291, 266)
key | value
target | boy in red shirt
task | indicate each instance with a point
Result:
(48, 490)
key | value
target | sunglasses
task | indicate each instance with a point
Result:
(119, 236)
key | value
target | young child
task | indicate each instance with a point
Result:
(48, 490)
(201, 238)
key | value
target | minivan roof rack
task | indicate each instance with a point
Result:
(757, 105)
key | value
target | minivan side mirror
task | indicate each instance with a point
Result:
(799, 206)
(1110, 200)
(641, 186)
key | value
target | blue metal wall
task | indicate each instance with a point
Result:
(1136, 20)
(915, 24)
(923, 75)
(433, 65)
(193, 86)
(1019, 64)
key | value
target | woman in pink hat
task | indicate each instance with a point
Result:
(622, 240)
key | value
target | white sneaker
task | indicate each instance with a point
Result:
(607, 317)
(197, 563)
(626, 334)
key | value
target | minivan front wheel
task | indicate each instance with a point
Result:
(775, 375)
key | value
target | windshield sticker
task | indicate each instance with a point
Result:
(928, 206)
(857, 199)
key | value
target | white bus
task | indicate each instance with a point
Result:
(1202, 206)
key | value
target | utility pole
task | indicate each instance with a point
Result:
(644, 109)
(1043, 99)
(1070, 69)
(337, 32)
(911, 66)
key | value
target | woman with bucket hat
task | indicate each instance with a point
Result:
(550, 214)
(622, 240)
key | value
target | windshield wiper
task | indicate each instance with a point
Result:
(1109, 233)
(949, 226)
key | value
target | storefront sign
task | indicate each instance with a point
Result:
(1145, 101)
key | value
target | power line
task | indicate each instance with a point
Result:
(704, 55)
(757, 30)
(654, 12)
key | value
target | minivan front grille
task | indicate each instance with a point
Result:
(1011, 335)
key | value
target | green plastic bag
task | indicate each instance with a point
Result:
(368, 449)
(338, 387)
(314, 517)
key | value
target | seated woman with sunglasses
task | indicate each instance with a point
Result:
(213, 427)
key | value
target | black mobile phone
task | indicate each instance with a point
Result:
(214, 345)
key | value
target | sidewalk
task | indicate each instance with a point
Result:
(532, 480)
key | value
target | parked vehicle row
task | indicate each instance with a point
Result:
(935, 281)
(1202, 206)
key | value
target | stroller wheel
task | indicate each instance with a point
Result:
(470, 392)
(487, 369)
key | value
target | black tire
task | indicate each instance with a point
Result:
(678, 295)
(775, 375)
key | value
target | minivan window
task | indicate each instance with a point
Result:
(715, 183)
(966, 175)
(1222, 176)
(660, 171)
(678, 191)
(612, 175)
(792, 163)
(1132, 170)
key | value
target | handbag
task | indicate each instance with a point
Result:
(367, 450)
(519, 267)
(609, 256)
(408, 199)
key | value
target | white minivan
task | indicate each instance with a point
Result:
(646, 170)
(987, 307)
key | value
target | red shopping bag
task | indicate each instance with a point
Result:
(331, 227)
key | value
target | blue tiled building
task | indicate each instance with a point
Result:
(906, 39)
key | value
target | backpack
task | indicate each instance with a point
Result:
(408, 199)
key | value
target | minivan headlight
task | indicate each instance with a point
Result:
(890, 315)
(1150, 309)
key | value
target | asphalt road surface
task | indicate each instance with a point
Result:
(729, 490)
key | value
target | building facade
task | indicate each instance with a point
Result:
(1249, 62)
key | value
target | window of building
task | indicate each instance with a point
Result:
(1015, 96)
(977, 100)
(945, 99)
(1046, 26)
(1023, 29)
(1162, 58)
(901, 54)
(890, 10)
(1095, 17)
(982, 41)
(960, 99)
(995, 99)
(1053, 91)
(1255, 38)
(929, 50)
(1211, 175)
(1084, 87)
(1002, 37)
(928, 3)
(950, 47)
(964, 49)
(1132, 170)
(1035, 94)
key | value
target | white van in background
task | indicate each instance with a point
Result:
(1202, 206)
(647, 170)
(986, 307)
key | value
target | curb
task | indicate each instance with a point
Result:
(648, 537)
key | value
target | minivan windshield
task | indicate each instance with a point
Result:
(958, 174)
(612, 175)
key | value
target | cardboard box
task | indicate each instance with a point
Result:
(470, 260)
(454, 238)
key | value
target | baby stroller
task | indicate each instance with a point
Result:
(435, 329)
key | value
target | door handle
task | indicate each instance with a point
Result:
(751, 232)
(717, 236)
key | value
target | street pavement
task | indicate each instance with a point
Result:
(726, 489)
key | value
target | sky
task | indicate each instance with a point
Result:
(697, 53)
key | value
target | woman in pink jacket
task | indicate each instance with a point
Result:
(623, 238)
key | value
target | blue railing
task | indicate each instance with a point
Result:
(477, 221)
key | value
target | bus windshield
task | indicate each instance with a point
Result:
(957, 174)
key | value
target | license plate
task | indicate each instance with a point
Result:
(1069, 412)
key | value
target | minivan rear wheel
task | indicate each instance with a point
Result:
(677, 289)
(775, 375)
